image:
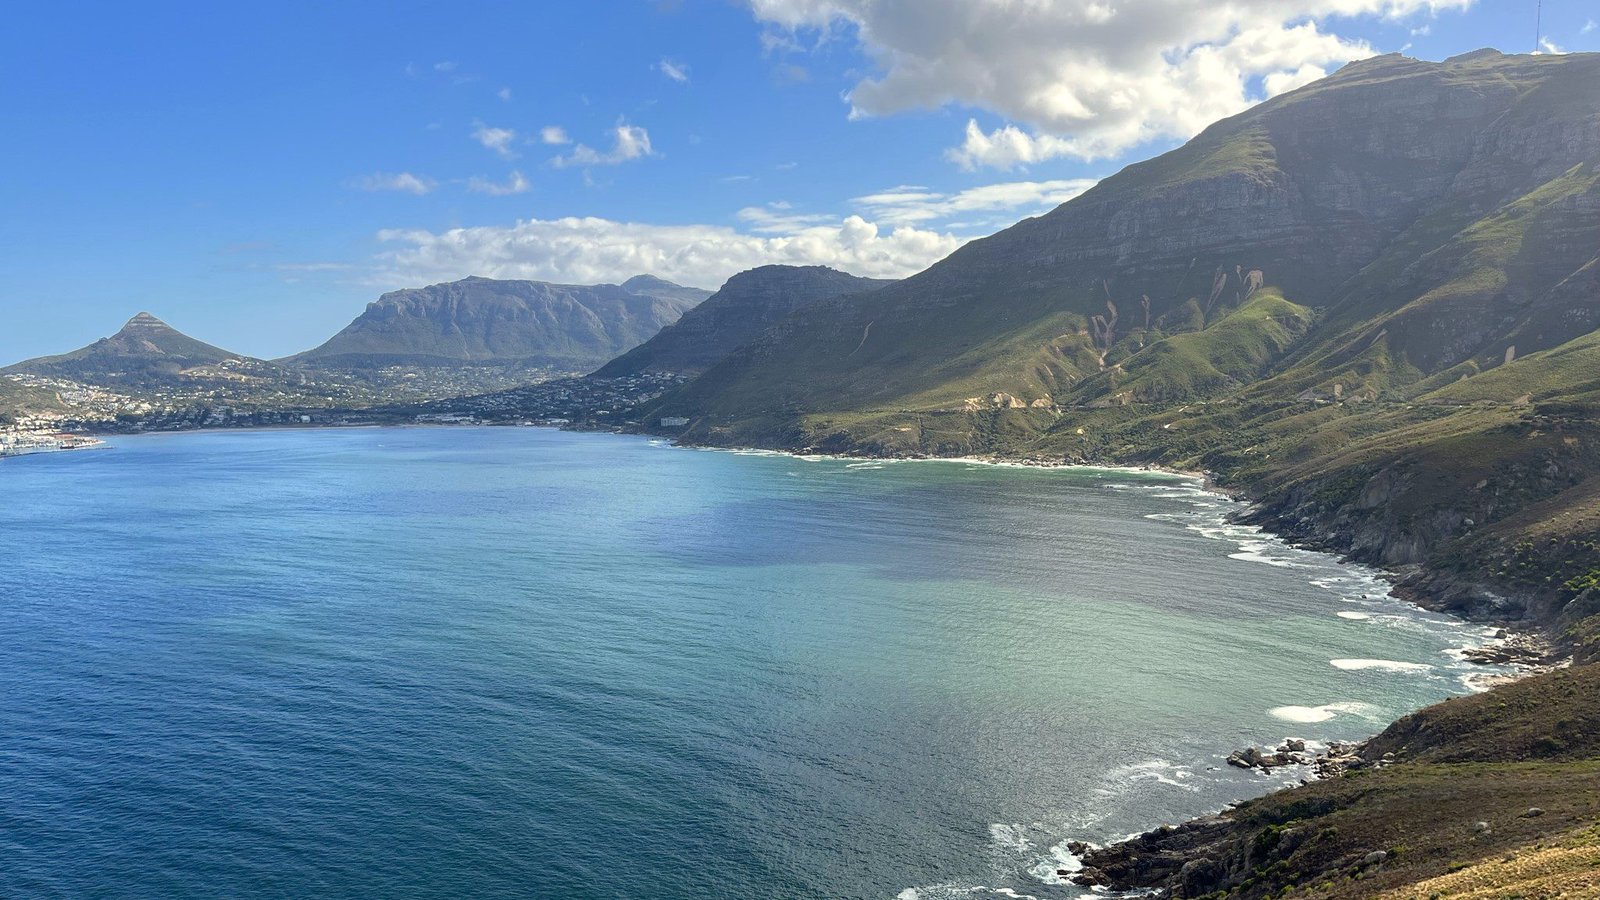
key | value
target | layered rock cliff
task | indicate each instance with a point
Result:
(483, 321)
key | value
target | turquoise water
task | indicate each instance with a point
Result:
(526, 663)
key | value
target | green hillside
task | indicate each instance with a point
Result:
(1426, 220)
(1371, 304)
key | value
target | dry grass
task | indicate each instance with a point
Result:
(1568, 870)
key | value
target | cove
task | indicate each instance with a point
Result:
(518, 662)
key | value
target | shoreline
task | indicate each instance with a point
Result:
(1525, 652)
(80, 442)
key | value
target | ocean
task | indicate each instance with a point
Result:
(518, 662)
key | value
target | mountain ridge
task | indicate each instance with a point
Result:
(747, 304)
(1370, 305)
(483, 321)
(1367, 171)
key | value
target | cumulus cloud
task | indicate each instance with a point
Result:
(676, 71)
(589, 250)
(1082, 78)
(554, 135)
(404, 182)
(629, 142)
(497, 139)
(515, 183)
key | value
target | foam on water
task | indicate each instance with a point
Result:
(1306, 715)
(1380, 665)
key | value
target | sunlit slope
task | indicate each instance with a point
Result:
(1416, 217)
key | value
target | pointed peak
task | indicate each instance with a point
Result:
(145, 320)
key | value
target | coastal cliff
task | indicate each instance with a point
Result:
(1490, 795)
(1369, 307)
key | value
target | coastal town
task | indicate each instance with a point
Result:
(67, 415)
(19, 442)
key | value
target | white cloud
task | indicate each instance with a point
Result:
(630, 142)
(554, 135)
(1081, 78)
(1008, 148)
(1277, 83)
(497, 139)
(590, 250)
(676, 71)
(515, 183)
(912, 205)
(1548, 46)
(1589, 26)
(504, 94)
(404, 182)
(776, 218)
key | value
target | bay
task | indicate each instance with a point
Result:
(529, 663)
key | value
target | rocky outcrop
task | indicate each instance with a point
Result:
(1292, 752)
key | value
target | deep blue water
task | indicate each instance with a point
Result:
(525, 663)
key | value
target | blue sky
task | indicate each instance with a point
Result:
(256, 173)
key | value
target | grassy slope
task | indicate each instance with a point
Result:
(1566, 867)
(1570, 371)
(17, 399)
(1484, 758)
(1234, 349)
(1449, 258)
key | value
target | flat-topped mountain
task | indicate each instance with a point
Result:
(484, 321)
(748, 304)
(145, 349)
(1383, 232)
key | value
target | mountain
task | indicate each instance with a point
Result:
(1370, 305)
(483, 321)
(145, 350)
(1386, 230)
(748, 304)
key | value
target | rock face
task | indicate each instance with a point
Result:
(145, 350)
(748, 304)
(483, 321)
(1430, 215)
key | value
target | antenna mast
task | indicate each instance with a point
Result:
(1538, 24)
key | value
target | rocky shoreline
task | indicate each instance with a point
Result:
(1184, 856)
